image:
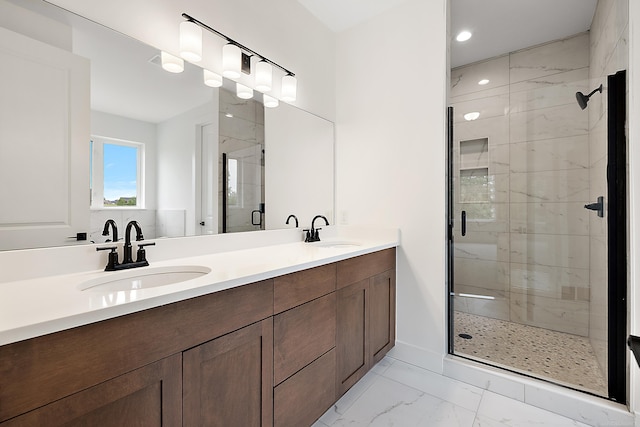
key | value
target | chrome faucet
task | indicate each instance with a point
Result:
(294, 217)
(313, 235)
(114, 229)
(127, 260)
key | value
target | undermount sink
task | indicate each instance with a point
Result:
(342, 244)
(143, 278)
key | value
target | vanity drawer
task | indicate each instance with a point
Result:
(303, 398)
(302, 334)
(362, 267)
(298, 288)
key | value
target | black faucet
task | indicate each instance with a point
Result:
(313, 235)
(105, 231)
(294, 217)
(127, 260)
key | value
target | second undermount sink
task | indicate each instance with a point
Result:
(340, 244)
(143, 278)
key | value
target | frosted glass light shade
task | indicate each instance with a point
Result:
(471, 116)
(231, 61)
(243, 91)
(171, 63)
(270, 101)
(264, 76)
(212, 79)
(289, 88)
(190, 41)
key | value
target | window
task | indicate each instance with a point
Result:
(116, 173)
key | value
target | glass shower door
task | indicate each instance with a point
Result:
(529, 261)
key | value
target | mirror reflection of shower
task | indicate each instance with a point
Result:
(584, 99)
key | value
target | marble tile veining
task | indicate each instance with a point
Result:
(398, 394)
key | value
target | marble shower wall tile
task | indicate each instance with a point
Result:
(609, 31)
(549, 218)
(464, 80)
(484, 93)
(548, 123)
(547, 281)
(487, 106)
(550, 186)
(550, 154)
(551, 58)
(483, 246)
(492, 275)
(549, 91)
(550, 313)
(550, 250)
(496, 129)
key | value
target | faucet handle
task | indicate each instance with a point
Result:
(308, 235)
(113, 257)
(141, 255)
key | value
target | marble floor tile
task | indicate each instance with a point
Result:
(452, 391)
(500, 411)
(390, 403)
(404, 395)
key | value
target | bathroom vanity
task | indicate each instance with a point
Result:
(278, 351)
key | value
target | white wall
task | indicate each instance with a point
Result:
(178, 141)
(282, 30)
(390, 126)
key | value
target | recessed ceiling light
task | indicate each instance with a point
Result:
(471, 116)
(463, 36)
(229, 115)
(483, 82)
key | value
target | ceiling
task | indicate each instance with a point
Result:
(498, 26)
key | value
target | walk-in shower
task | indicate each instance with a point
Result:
(529, 205)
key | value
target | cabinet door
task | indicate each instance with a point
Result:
(149, 396)
(382, 315)
(352, 343)
(229, 381)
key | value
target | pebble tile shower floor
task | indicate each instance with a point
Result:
(552, 355)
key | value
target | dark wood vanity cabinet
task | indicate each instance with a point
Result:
(228, 381)
(304, 346)
(148, 396)
(278, 352)
(365, 315)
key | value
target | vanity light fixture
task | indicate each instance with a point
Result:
(463, 36)
(483, 82)
(171, 63)
(270, 101)
(289, 88)
(190, 41)
(212, 79)
(471, 116)
(231, 61)
(264, 76)
(243, 92)
(236, 59)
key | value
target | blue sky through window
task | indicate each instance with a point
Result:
(120, 171)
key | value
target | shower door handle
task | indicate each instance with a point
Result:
(598, 206)
(463, 220)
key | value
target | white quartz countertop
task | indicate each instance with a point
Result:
(38, 306)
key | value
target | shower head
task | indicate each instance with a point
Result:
(583, 99)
